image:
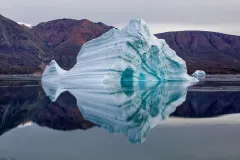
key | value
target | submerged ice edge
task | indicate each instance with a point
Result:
(133, 54)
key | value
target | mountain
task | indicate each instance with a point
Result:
(25, 49)
(20, 50)
(208, 51)
(66, 37)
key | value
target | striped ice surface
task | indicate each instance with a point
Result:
(132, 54)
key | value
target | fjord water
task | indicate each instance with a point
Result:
(155, 121)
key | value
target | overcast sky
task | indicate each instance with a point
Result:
(160, 15)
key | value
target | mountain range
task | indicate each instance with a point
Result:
(26, 49)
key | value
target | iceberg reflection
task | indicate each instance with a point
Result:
(131, 111)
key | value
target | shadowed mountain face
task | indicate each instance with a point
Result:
(20, 50)
(208, 51)
(66, 37)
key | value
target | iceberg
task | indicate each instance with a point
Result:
(53, 73)
(132, 54)
(131, 112)
(199, 74)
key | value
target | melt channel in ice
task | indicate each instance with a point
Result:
(132, 54)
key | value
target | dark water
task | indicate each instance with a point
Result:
(160, 121)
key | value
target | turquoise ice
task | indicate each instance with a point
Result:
(119, 56)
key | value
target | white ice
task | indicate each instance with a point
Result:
(199, 74)
(132, 54)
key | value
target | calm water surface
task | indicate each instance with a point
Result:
(155, 121)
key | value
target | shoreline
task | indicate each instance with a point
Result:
(37, 77)
(20, 77)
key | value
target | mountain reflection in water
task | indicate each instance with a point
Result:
(132, 112)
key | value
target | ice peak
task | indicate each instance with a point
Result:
(138, 29)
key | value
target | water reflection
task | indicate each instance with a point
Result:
(25, 104)
(132, 112)
(207, 104)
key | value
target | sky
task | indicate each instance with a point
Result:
(160, 15)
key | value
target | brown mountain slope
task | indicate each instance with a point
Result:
(209, 51)
(66, 37)
(20, 50)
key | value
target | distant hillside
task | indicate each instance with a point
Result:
(209, 51)
(66, 37)
(20, 51)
